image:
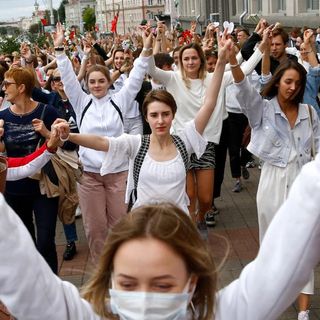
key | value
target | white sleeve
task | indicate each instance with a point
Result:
(124, 98)
(28, 287)
(125, 146)
(160, 75)
(289, 252)
(29, 169)
(194, 141)
(78, 98)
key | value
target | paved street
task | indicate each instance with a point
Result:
(237, 224)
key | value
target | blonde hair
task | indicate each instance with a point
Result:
(202, 70)
(167, 223)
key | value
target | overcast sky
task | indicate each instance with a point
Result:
(13, 9)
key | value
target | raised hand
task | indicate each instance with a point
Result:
(226, 50)
(262, 24)
(25, 51)
(147, 38)
(86, 47)
(308, 36)
(58, 35)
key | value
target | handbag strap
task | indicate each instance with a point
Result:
(313, 148)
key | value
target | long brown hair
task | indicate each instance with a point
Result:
(272, 88)
(202, 71)
(169, 224)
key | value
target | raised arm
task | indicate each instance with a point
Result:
(72, 87)
(132, 85)
(279, 272)
(86, 56)
(205, 112)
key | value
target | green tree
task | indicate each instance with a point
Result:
(9, 44)
(3, 31)
(62, 11)
(89, 18)
(34, 28)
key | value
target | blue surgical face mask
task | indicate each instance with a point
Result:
(133, 305)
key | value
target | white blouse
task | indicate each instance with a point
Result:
(158, 180)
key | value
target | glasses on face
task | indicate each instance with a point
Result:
(56, 79)
(6, 83)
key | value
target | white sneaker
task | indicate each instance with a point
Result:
(303, 315)
(78, 212)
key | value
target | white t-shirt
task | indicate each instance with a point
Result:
(158, 180)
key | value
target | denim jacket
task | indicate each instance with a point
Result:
(271, 132)
(312, 88)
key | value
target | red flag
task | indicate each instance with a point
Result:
(114, 23)
(44, 22)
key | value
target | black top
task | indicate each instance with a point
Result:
(20, 140)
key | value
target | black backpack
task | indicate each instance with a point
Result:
(145, 142)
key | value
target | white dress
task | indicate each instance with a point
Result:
(158, 180)
(274, 186)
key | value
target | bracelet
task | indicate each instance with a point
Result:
(64, 139)
(234, 65)
(147, 49)
(60, 48)
(51, 150)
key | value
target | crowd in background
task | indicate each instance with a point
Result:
(110, 95)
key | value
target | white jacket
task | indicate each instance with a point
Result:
(101, 117)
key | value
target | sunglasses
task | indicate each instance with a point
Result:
(6, 83)
(56, 79)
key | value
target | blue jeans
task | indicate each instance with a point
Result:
(45, 212)
(70, 231)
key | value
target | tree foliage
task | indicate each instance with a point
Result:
(35, 28)
(9, 44)
(62, 11)
(89, 18)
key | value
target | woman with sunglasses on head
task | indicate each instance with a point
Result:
(101, 113)
(26, 122)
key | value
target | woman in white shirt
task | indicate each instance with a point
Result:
(285, 135)
(188, 85)
(100, 112)
(163, 172)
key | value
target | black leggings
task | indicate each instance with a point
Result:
(239, 156)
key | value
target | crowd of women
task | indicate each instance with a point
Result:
(155, 126)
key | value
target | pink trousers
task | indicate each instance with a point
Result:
(102, 205)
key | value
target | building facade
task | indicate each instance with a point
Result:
(74, 11)
(131, 13)
(289, 12)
